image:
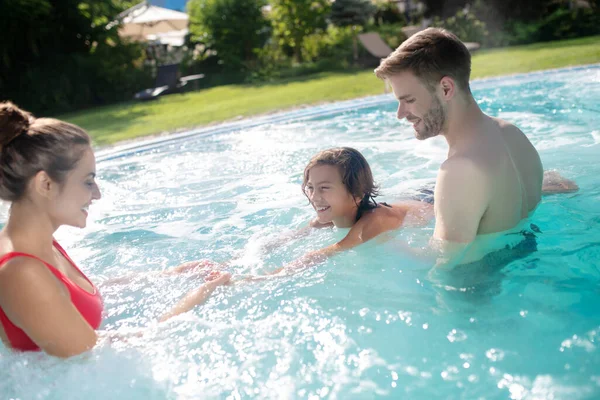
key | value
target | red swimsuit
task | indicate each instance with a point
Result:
(88, 304)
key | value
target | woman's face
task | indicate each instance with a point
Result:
(329, 196)
(71, 203)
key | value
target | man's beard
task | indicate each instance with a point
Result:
(433, 121)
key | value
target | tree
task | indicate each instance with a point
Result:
(443, 8)
(354, 13)
(503, 10)
(351, 12)
(293, 20)
(387, 12)
(52, 53)
(233, 28)
(34, 29)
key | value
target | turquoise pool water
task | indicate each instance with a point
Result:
(367, 324)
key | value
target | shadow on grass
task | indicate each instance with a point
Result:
(114, 117)
(104, 121)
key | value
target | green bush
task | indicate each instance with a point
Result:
(565, 24)
(390, 33)
(351, 12)
(329, 50)
(271, 60)
(387, 13)
(517, 32)
(59, 56)
(294, 20)
(561, 24)
(232, 28)
(66, 82)
(117, 71)
(335, 43)
(465, 25)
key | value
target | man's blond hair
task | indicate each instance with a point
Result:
(430, 55)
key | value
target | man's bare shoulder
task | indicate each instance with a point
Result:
(506, 127)
(463, 174)
(459, 164)
(462, 195)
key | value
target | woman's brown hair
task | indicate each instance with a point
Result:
(29, 145)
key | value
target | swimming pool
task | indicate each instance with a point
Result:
(367, 324)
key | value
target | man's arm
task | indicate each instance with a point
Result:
(462, 196)
(555, 183)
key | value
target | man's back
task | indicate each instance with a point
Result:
(514, 172)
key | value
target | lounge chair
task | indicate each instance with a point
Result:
(167, 81)
(375, 45)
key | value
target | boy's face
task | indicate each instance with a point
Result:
(330, 197)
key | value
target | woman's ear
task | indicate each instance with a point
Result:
(44, 185)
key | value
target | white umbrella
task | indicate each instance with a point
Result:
(144, 19)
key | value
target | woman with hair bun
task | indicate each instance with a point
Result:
(47, 173)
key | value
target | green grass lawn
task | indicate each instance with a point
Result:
(111, 124)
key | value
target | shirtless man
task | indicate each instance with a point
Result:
(492, 178)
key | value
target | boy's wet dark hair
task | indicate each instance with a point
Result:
(355, 172)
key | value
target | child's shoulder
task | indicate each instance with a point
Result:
(385, 212)
(378, 220)
(385, 209)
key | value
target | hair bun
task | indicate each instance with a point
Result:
(13, 122)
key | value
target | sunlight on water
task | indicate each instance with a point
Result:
(370, 323)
